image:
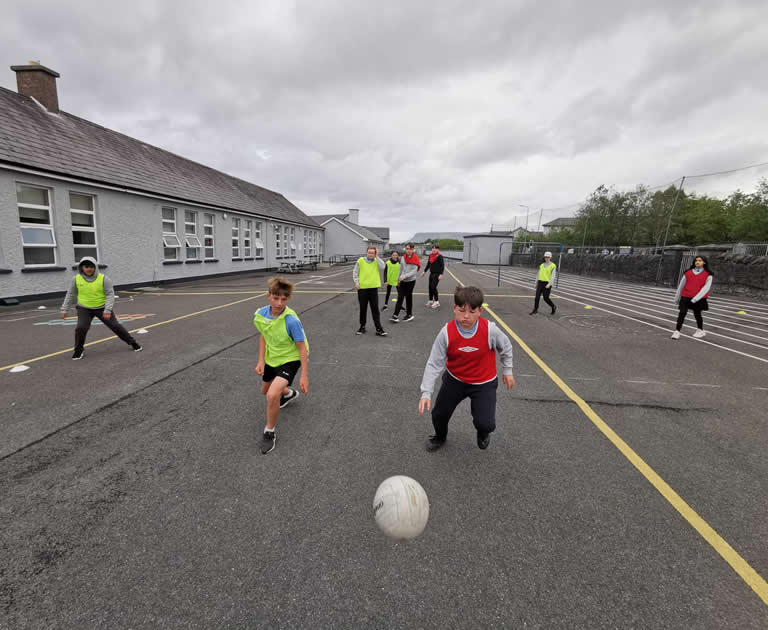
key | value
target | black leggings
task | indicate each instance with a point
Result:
(84, 318)
(366, 297)
(482, 404)
(684, 312)
(434, 278)
(389, 292)
(542, 291)
(405, 291)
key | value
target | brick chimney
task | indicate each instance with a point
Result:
(38, 82)
(353, 216)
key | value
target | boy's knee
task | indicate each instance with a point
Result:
(273, 396)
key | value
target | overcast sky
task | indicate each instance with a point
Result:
(446, 115)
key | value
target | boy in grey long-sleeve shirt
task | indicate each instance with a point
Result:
(466, 348)
(409, 269)
(94, 296)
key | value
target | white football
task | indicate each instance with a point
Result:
(401, 507)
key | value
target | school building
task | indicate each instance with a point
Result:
(70, 188)
(489, 248)
(345, 237)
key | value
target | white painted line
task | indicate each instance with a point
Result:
(581, 378)
(700, 385)
(663, 328)
(763, 389)
(19, 368)
(646, 382)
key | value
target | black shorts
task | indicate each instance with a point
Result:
(286, 371)
(701, 305)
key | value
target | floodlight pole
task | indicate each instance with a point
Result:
(498, 278)
(666, 233)
(527, 210)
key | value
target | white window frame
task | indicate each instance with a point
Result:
(45, 227)
(84, 228)
(170, 238)
(292, 241)
(209, 221)
(258, 244)
(278, 242)
(235, 237)
(247, 232)
(191, 239)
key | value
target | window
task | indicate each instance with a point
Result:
(292, 242)
(209, 250)
(278, 250)
(190, 235)
(171, 243)
(83, 226)
(37, 237)
(247, 239)
(306, 242)
(258, 244)
(235, 238)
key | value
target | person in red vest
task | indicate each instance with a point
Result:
(466, 348)
(692, 293)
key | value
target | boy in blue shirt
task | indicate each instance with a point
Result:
(283, 349)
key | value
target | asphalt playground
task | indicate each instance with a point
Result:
(626, 485)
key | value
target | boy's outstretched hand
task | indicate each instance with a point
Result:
(425, 404)
(304, 383)
(260, 368)
(509, 381)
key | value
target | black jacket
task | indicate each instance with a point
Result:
(436, 267)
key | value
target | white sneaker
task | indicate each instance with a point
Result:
(699, 333)
(676, 334)
(428, 304)
(435, 304)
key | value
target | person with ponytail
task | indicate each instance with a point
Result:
(692, 294)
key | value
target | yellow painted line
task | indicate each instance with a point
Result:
(718, 543)
(325, 291)
(110, 338)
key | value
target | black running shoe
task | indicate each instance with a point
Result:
(533, 312)
(384, 308)
(408, 318)
(268, 440)
(394, 319)
(360, 331)
(433, 443)
(136, 347)
(554, 308)
(381, 332)
(286, 400)
(483, 440)
(77, 355)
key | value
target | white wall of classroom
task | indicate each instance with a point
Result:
(340, 240)
(129, 233)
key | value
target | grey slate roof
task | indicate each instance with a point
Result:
(67, 145)
(360, 229)
(420, 237)
(382, 232)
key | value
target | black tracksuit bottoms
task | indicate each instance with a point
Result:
(482, 403)
(542, 291)
(405, 292)
(369, 297)
(85, 317)
(434, 278)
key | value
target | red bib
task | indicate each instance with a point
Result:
(470, 360)
(694, 282)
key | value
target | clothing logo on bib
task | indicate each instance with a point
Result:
(469, 349)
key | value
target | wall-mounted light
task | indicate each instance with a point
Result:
(225, 216)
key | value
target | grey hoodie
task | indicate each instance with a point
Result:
(109, 289)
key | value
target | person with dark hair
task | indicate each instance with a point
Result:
(465, 351)
(392, 277)
(436, 268)
(692, 294)
(544, 281)
(93, 295)
(409, 268)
